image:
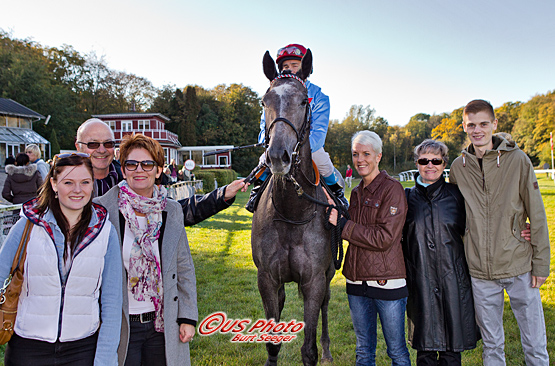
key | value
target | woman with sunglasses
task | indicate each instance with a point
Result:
(69, 310)
(440, 307)
(159, 295)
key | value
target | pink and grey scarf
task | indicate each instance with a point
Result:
(145, 272)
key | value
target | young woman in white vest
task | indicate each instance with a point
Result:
(69, 310)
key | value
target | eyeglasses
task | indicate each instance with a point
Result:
(434, 161)
(291, 50)
(132, 165)
(68, 155)
(93, 145)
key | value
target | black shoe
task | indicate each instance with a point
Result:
(339, 193)
(251, 204)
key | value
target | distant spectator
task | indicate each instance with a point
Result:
(23, 180)
(9, 160)
(33, 151)
(173, 171)
(349, 176)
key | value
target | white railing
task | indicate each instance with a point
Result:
(9, 214)
(409, 175)
(181, 190)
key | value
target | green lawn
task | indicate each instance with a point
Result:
(226, 282)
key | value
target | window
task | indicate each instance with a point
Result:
(210, 160)
(127, 126)
(13, 122)
(24, 123)
(144, 124)
(111, 124)
(222, 160)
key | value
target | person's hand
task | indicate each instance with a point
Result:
(334, 214)
(186, 332)
(538, 281)
(245, 187)
(233, 187)
(526, 234)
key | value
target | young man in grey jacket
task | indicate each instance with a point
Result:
(500, 190)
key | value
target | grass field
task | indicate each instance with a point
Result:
(226, 282)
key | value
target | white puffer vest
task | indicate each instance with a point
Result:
(40, 302)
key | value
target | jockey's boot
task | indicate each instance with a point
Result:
(254, 192)
(339, 193)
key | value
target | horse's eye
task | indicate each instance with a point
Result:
(263, 105)
(305, 101)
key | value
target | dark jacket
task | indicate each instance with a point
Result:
(200, 207)
(22, 183)
(440, 308)
(374, 232)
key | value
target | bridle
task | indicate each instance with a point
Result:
(301, 136)
(336, 245)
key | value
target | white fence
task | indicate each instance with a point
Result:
(409, 174)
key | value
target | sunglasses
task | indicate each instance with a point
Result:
(291, 50)
(68, 155)
(95, 145)
(132, 165)
(434, 161)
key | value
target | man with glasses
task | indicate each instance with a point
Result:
(96, 138)
(500, 189)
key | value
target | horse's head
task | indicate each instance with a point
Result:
(286, 110)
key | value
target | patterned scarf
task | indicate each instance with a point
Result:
(145, 272)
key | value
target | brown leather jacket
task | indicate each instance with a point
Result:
(375, 230)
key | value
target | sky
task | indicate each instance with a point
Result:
(400, 57)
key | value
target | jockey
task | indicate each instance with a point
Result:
(289, 58)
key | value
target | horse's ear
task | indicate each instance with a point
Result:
(269, 66)
(306, 65)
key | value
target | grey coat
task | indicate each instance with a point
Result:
(178, 277)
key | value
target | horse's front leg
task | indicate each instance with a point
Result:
(325, 338)
(314, 293)
(273, 298)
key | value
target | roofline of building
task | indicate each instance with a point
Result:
(35, 115)
(131, 115)
(205, 148)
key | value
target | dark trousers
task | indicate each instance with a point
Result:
(24, 352)
(147, 347)
(438, 358)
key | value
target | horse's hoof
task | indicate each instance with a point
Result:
(326, 360)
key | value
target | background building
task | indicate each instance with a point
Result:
(16, 130)
(149, 124)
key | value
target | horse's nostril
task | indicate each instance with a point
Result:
(285, 158)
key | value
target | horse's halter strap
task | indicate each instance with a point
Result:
(306, 122)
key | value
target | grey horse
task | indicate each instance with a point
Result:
(289, 241)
